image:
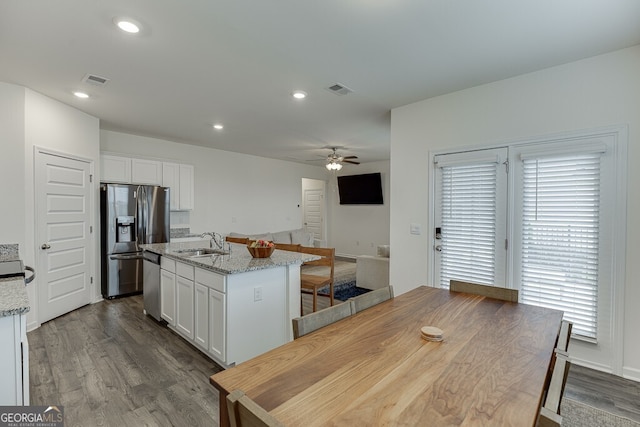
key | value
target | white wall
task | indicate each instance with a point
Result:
(233, 192)
(12, 171)
(596, 92)
(358, 229)
(34, 120)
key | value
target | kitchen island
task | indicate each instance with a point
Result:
(228, 304)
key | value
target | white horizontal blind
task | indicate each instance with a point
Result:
(560, 237)
(468, 223)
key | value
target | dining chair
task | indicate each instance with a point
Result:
(306, 324)
(242, 240)
(485, 290)
(312, 282)
(369, 299)
(550, 411)
(244, 412)
(564, 335)
(288, 247)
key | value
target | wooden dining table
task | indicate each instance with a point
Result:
(374, 367)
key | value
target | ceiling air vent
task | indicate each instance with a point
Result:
(339, 89)
(95, 80)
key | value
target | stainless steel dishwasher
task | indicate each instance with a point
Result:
(151, 280)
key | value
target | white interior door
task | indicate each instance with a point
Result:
(314, 211)
(63, 218)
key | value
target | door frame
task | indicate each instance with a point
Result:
(92, 250)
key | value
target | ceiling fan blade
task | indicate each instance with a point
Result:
(351, 161)
(350, 157)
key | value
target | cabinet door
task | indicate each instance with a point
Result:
(168, 296)
(171, 179)
(115, 169)
(217, 325)
(201, 327)
(145, 171)
(186, 187)
(184, 306)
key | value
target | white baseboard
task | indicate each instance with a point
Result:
(631, 373)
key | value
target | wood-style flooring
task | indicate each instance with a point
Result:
(110, 365)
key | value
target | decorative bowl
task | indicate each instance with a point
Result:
(259, 252)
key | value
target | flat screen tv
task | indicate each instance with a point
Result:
(365, 189)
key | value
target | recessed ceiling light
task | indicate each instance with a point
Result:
(218, 126)
(81, 95)
(299, 94)
(127, 25)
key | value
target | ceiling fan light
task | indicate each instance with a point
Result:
(333, 166)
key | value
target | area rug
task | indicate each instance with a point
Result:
(347, 290)
(578, 414)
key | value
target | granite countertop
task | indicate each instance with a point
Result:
(13, 297)
(239, 260)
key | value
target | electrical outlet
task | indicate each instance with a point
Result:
(257, 293)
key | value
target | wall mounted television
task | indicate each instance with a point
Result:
(364, 189)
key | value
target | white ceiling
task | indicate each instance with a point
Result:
(237, 61)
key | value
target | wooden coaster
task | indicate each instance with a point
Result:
(431, 333)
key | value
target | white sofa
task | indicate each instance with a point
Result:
(296, 236)
(372, 272)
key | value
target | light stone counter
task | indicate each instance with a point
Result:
(13, 297)
(239, 260)
(13, 293)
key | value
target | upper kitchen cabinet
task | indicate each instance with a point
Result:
(115, 169)
(179, 178)
(125, 170)
(145, 171)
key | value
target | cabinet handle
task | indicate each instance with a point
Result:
(45, 246)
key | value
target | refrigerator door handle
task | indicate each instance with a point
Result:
(140, 197)
(126, 257)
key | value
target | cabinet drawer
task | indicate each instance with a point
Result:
(211, 279)
(184, 270)
(167, 264)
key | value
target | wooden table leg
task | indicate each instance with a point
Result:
(224, 413)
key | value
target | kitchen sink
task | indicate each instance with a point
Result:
(200, 252)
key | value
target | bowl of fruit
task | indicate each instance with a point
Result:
(261, 248)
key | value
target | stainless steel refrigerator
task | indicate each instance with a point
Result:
(130, 215)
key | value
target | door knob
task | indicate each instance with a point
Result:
(439, 248)
(45, 246)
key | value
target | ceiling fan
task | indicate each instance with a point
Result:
(334, 161)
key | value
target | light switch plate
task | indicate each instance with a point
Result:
(415, 228)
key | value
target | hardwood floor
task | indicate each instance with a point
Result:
(110, 365)
(604, 391)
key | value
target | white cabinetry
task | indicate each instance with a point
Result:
(115, 169)
(217, 324)
(168, 290)
(145, 171)
(231, 317)
(179, 178)
(184, 300)
(127, 170)
(14, 359)
(201, 326)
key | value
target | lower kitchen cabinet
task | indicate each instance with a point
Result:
(168, 296)
(231, 317)
(217, 324)
(184, 306)
(201, 326)
(14, 359)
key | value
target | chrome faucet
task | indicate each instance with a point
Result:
(215, 237)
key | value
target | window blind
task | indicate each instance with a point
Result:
(560, 237)
(468, 222)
